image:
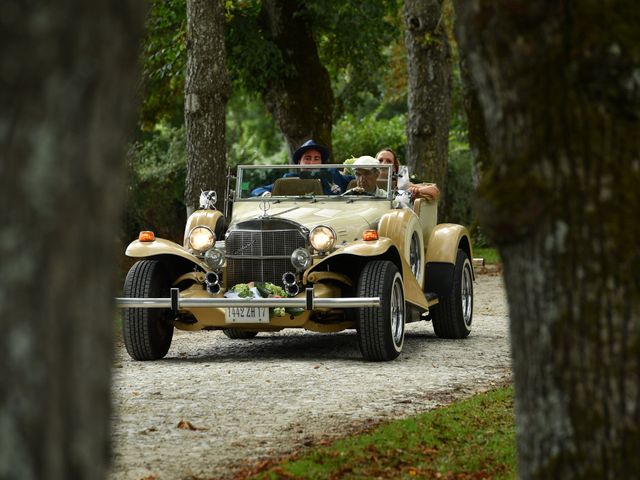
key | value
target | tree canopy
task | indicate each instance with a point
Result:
(351, 38)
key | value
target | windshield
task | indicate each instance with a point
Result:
(330, 181)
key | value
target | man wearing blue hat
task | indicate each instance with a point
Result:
(312, 153)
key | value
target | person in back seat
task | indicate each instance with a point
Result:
(429, 191)
(312, 153)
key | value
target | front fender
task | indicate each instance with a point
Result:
(207, 218)
(160, 246)
(349, 257)
(357, 249)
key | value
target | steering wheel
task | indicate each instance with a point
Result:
(357, 191)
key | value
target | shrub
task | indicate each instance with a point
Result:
(157, 169)
(353, 137)
(459, 195)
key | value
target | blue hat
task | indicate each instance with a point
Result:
(310, 145)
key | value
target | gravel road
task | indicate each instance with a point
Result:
(274, 394)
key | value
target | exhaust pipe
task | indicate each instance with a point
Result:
(212, 282)
(292, 290)
(290, 284)
(289, 278)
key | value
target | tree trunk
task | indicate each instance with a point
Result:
(476, 129)
(301, 100)
(68, 73)
(429, 91)
(205, 97)
(559, 87)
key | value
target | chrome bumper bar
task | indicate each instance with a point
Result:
(309, 302)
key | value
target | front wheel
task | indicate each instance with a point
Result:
(453, 314)
(147, 332)
(381, 329)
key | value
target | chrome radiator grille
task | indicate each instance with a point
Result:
(260, 255)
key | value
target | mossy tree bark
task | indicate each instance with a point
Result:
(560, 90)
(429, 99)
(477, 132)
(68, 72)
(206, 92)
(301, 100)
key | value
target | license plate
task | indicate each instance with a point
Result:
(247, 315)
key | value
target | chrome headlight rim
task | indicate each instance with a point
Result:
(320, 244)
(201, 239)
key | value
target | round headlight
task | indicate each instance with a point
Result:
(322, 238)
(201, 239)
(301, 259)
(214, 258)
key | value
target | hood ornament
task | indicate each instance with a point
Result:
(265, 206)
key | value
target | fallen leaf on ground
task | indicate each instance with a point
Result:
(186, 425)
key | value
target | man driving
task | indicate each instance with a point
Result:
(367, 172)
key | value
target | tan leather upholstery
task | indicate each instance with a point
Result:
(428, 215)
(297, 186)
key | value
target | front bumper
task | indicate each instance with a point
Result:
(308, 302)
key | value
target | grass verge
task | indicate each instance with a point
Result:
(490, 255)
(471, 439)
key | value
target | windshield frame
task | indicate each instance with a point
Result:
(240, 174)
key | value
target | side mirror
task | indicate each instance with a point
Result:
(208, 200)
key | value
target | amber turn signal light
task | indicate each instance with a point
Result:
(146, 236)
(369, 235)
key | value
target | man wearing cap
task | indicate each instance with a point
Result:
(367, 173)
(312, 153)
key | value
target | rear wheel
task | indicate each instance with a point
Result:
(147, 332)
(237, 334)
(453, 314)
(381, 329)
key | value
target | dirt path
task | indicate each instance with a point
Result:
(252, 399)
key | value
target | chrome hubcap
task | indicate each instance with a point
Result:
(397, 313)
(466, 296)
(414, 255)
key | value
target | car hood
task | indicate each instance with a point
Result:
(347, 219)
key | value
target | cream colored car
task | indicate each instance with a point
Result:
(298, 258)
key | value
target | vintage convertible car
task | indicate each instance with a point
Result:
(301, 259)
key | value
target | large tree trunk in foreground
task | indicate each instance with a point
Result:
(558, 83)
(429, 90)
(206, 89)
(301, 100)
(476, 128)
(68, 72)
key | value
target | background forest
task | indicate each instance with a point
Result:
(362, 47)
